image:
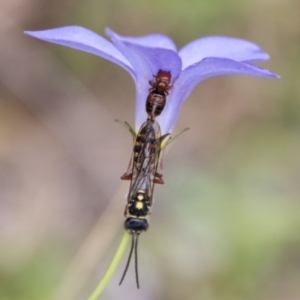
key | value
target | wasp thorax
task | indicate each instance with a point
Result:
(162, 84)
(134, 225)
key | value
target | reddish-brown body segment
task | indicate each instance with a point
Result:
(158, 93)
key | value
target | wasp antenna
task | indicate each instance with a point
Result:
(129, 258)
(136, 260)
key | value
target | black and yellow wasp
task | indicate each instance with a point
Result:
(145, 167)
(143, 173)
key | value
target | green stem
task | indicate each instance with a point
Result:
(111, 268)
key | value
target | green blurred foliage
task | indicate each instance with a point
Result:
(37, 278)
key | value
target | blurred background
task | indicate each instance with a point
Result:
(225, 224)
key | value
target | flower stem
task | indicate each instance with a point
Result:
(111, 268)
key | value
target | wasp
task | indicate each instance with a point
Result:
(143, 176)
(158, 93)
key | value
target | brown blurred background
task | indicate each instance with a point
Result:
(225, 224)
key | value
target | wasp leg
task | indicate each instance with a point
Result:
(158, 178)
(126, 176)
(175, 136)
(163, 140)
(130, 128)
(168, 89)
(125, 212)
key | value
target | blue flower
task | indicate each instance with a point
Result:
(144, 56)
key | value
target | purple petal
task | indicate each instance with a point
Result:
(146, 62)
(192, 75)
(156, 59)
(220, 46)
(143, 73)
(155, 40)
(86, 40)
